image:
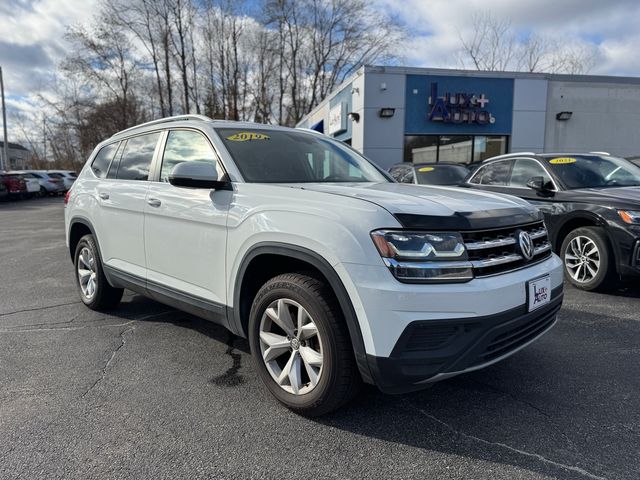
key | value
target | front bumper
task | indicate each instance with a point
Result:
(429, 351)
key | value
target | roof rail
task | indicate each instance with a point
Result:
(311, 130)
(175, 118)
(601, 153)
(512, 154)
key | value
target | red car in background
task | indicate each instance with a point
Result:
(15, 184)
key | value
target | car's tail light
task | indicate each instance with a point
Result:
(67, 197)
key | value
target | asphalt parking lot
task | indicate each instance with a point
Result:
(150, 392)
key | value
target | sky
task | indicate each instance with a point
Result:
(32, 42)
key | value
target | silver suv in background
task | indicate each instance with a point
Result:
(68, 177)
(50, 183)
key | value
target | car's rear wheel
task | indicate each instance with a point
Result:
(588, 259)
(95, 291)
(300, 345)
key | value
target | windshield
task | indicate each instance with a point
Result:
(281, 156)
(594, 171)
(441, 174)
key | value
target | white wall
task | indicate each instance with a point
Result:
(383, 140)
(357, 106)
(529, 112)
(606, 117)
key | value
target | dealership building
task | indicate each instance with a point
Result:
(395, 114)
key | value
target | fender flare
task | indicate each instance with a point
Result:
(78, 219)
(325, 268)
(599, 221)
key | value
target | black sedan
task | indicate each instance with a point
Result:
(591, 204)
(441, 173)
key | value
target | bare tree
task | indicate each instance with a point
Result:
(104, 57)
(141, 18)
(142, 58)
(492, 45)
(321, 43)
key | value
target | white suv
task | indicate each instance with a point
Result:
(334, 273)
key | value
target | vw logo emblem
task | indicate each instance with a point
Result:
(525, 245)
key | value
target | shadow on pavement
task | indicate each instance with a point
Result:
(505, 414)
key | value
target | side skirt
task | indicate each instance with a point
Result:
(200, 307)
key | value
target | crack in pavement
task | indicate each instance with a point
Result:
(36, 309)
(29, 328)
(536, 456)
(510, 395)
(113, 354)
(66, 322)
(23, 330)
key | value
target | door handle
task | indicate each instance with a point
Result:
(154, 202)
(104, 196)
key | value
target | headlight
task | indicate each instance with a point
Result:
(424, 257)
(630, 216)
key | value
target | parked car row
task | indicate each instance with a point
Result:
(591, 204)
(35, 183)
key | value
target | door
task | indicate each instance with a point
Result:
(524, 169)
(511, 177)
(186, 228)
(122, 198)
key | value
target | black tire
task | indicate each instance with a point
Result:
(606, 277)
(43, 192)
(340, 379)
(105, 296)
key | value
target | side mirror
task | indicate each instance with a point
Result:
(197, 174)
(538, 184)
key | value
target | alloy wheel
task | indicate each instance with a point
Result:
(291, 346)
(582, 259)
(87, 273)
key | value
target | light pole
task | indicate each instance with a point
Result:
(5, 155)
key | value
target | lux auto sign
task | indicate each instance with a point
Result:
(458, 107)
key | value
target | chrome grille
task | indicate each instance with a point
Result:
(496, 251)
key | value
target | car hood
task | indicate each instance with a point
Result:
(612, 196)
(423, 206)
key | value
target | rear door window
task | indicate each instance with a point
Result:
(101, 162)
(137, 156)
(496, 173)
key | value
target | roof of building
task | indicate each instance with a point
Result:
(559, 77)
(15, 146)
(495, 74)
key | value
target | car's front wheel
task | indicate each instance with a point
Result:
(95, 291)
(300, 344)
(588, 259)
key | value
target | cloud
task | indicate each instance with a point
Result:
(32, 44)
(606, 28)
(14, 55)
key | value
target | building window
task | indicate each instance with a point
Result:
(486, 147)
(453, 148)
(421, 148)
